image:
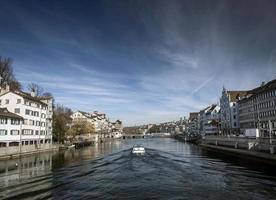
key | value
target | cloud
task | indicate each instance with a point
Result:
(144, 61)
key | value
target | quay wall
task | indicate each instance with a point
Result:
(16, 151)
(251, 155)
(251, 144)
(257, 148)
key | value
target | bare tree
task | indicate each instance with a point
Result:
(6, 74)
(61, 119)
(33, 87)
(47, 94)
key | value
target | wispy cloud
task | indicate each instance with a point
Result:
(151, 64)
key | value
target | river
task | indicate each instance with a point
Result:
(170, 169)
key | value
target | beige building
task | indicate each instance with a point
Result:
(258, 108)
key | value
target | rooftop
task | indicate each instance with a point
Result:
(5, 113)
(236, 95)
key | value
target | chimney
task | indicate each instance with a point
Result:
(33, 94)
(4, 89)
(7, 88)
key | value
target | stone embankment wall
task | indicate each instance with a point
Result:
(253, 144)
(15, 151)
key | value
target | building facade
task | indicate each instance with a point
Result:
(208, 120)
(116, 129)
(103, 127)
(35, 128)
(11, 126)
(192, 129)
(229, 117)
(257, 110)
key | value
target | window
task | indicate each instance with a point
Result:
(27, 132)
(36, 113)
(27, 112)
(31, 122)
(3, 120)
(31, 142)
(36, 132)
(0, 102)
(234, 116)
(26, 142)
(37, 123)
(15, 121)
(25, 121)
(17, 110)
(18, 101)
(14, 132)
(11, 144)
(3, 132)
(7, 101)
(3, 144)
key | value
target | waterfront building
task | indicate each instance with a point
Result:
(11, 126)
(258, 108)
(103, 127)
(229, 117)
(209, 120)
(34, 129)
(201, 121)
(116, 129)
(192, 128)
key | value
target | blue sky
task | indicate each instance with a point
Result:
(140, 61)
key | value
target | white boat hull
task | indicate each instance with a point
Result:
(138, 150)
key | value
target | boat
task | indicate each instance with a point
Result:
(138, 149)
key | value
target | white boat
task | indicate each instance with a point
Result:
(138, 149)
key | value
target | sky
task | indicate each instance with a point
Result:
(140, 61)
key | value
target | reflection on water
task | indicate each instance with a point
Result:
(17, 170)
(169, 170)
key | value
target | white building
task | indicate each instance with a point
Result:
(103, 128)
(11, 125)
(229, 111)
(209, 120)
(116, 129)
(35, 127)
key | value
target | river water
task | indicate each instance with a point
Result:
(169, 170)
